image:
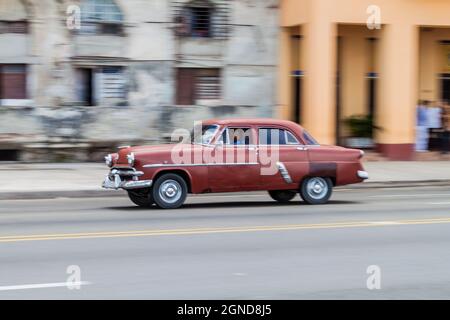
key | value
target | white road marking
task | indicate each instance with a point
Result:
(411, 195)
(44, 285)
(439, 203)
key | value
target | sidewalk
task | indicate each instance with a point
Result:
(37, 181)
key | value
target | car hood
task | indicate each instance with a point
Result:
(155, 148)
(147, 152)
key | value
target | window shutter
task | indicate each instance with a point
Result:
(13, 82)
(185, 86)
(208, 84)
(113, 83)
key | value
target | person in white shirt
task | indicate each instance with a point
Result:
(434, 115)
(422, 134)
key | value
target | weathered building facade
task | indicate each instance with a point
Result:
(86, 75)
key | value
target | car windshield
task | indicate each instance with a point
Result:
(205, 135)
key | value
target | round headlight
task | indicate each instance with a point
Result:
(130, 159)
(109, 160)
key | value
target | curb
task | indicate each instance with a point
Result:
(99, 193)
(398, 184)
(33, 195)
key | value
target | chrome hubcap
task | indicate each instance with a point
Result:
(170, 191)
(317, 188)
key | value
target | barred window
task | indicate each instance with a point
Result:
(208, 84)
(200, 22)
(113, 83)
(14, 27)
(198, 86)
(101, 17)
(101, 86)
(195, 19)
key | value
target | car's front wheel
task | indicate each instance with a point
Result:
(170, 191)
(316, 190)
(142, 197)
(282, 196)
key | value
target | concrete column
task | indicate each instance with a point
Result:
(319, 51)
(396, 109)
(429, 66)
(355, 66)
(284, 75)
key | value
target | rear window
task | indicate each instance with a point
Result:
(309, 140)
(273, 136)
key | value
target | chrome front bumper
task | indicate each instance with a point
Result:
(114, 180)
(363, 175)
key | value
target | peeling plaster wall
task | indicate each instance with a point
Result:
(11, 10)
(150, 52)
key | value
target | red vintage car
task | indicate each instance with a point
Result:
(235, 155)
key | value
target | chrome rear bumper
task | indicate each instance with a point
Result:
(363, 175)
(114, 180)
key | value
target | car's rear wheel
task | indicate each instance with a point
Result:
(316, 190)
(170, 191)
(141, 197)
(282, 196)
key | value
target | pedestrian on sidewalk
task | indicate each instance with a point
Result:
(434, 114)
(445, 147)
(422, 134)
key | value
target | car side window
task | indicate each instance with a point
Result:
(237, 136)
(290, 138)
(273, 136)
(309, 139)
(270, 136)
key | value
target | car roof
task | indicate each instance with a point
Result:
(255, 121)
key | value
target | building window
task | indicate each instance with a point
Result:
(101, 86)
(13, 84)
(196, 20)
(101, 17)
(445, 87)
(20, 27)
(112, 80)
(198, 86)
(372, 78)
(200, 22)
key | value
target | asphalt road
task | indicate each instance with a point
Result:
(230, 247)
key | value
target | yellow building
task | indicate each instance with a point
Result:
(340, 58)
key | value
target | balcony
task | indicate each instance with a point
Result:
(92, 45)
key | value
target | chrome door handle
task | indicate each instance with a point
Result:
(302, 149)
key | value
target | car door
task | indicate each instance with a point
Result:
(282, 151)
(234, 165)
